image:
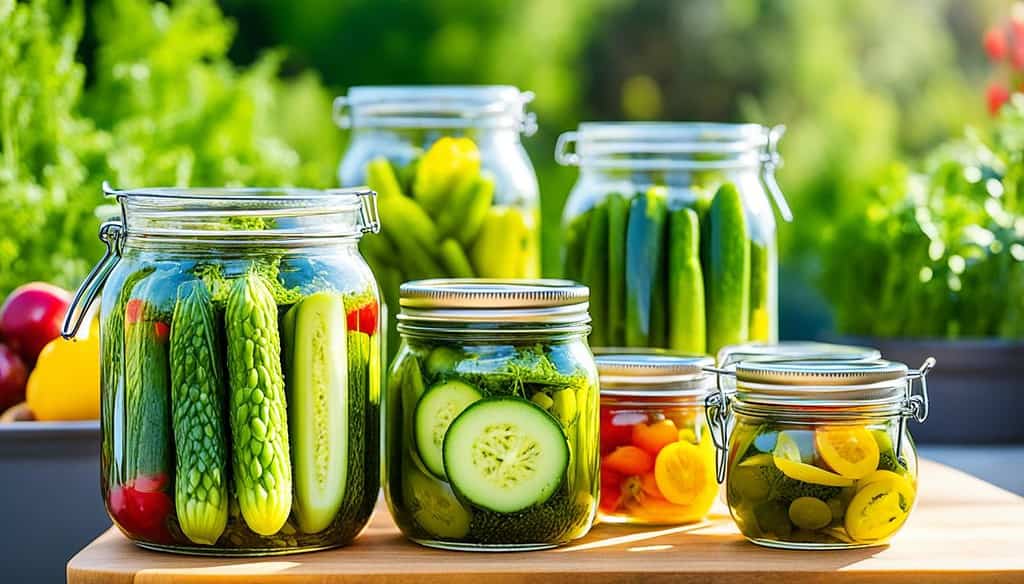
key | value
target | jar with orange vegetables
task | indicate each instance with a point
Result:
(657, 457)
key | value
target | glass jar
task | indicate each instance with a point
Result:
(671, 227)
(820, 456)
(240, 369)
(657, 457)
(457, 189)
(491, 415)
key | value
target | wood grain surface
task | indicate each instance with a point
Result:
(963, 530)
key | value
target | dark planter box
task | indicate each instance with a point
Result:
(50, 497)
(976, 391)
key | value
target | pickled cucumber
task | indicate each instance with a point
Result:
(595, 266)
(318, 395)
(645, 269)
(436, 409)
(200, 433)
(686, 314)
(728, 277)
(258, 410)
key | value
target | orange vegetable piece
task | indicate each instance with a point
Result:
(654, 437)
(650, 486)
(629, 460)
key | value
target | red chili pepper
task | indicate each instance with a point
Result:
(364, 318)
(161, 331)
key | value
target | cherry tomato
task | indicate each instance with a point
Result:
(654, 437)
(140, 511)
(629, 460)
(364, 318)
(996, 95)
(995, 43)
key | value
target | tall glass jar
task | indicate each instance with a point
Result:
(819, 456)
(657, 457)
(240, 368)
(671, 226)
(458, 192)
(491, 415)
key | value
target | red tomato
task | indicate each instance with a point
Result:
(13, 376)
(161, 331)
(629, 460)
(141, 509)
(31, 317)
(611, 491)
(364, 318)
(656, 436)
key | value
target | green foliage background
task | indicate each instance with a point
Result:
(177, 94)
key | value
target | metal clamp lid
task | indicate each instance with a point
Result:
(111, 234)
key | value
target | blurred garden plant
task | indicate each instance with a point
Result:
(940, 253)
(159, 103)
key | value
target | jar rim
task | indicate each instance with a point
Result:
(638, 372)
(435, 106)
(669, 145)
(524, 303)
(803, 350)
(242, 215)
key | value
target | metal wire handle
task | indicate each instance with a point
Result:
(771, 160)
(111, 234)
(369, 213)
(716, 411)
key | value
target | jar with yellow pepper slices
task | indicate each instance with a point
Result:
(657, 458)
(456, 187)
(819, 456)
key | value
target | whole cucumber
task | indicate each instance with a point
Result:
(618, 209)
(258, 410)
(760, 321)
(575, 244)
(685, 284)
(197, 403)
(644, 264)
(595, 275)
(728, 284)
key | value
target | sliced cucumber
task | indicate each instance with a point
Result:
(434, 413)
(505, 454)
(317, 374)
(434, 506)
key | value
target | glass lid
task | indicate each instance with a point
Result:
(792, 350)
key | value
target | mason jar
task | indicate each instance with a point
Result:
(240, 373)
(459, 193)
(819, 456)
(672, 228)
(657, 457)
(491, 415)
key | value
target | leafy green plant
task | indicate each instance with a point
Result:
(163, 105)
(938, 253)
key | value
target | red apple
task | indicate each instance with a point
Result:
(32, 316)
(13, 375)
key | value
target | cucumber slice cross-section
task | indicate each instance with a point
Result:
(505, 454)
(436, 409)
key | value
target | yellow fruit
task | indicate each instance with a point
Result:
(65, 384)
(685, 475)
(850, 451)
(879, 509)
(809, 473)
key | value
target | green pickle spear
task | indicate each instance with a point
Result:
(575, 245)
(454, 259)
(728, 277)
(685, 284)
(200, 433)
(760, 323)
(644, 266)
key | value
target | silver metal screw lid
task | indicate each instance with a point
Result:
(494, 300)
(822, 383)
(792, 350)
(652, 372)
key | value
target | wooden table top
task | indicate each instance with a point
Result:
(963, 530)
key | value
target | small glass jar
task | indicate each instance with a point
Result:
(657, 457)
(491, 415)
(671, 225)
(819, 456)
(241, 374)
(458, 191)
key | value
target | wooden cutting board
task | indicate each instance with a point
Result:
(963, 530)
